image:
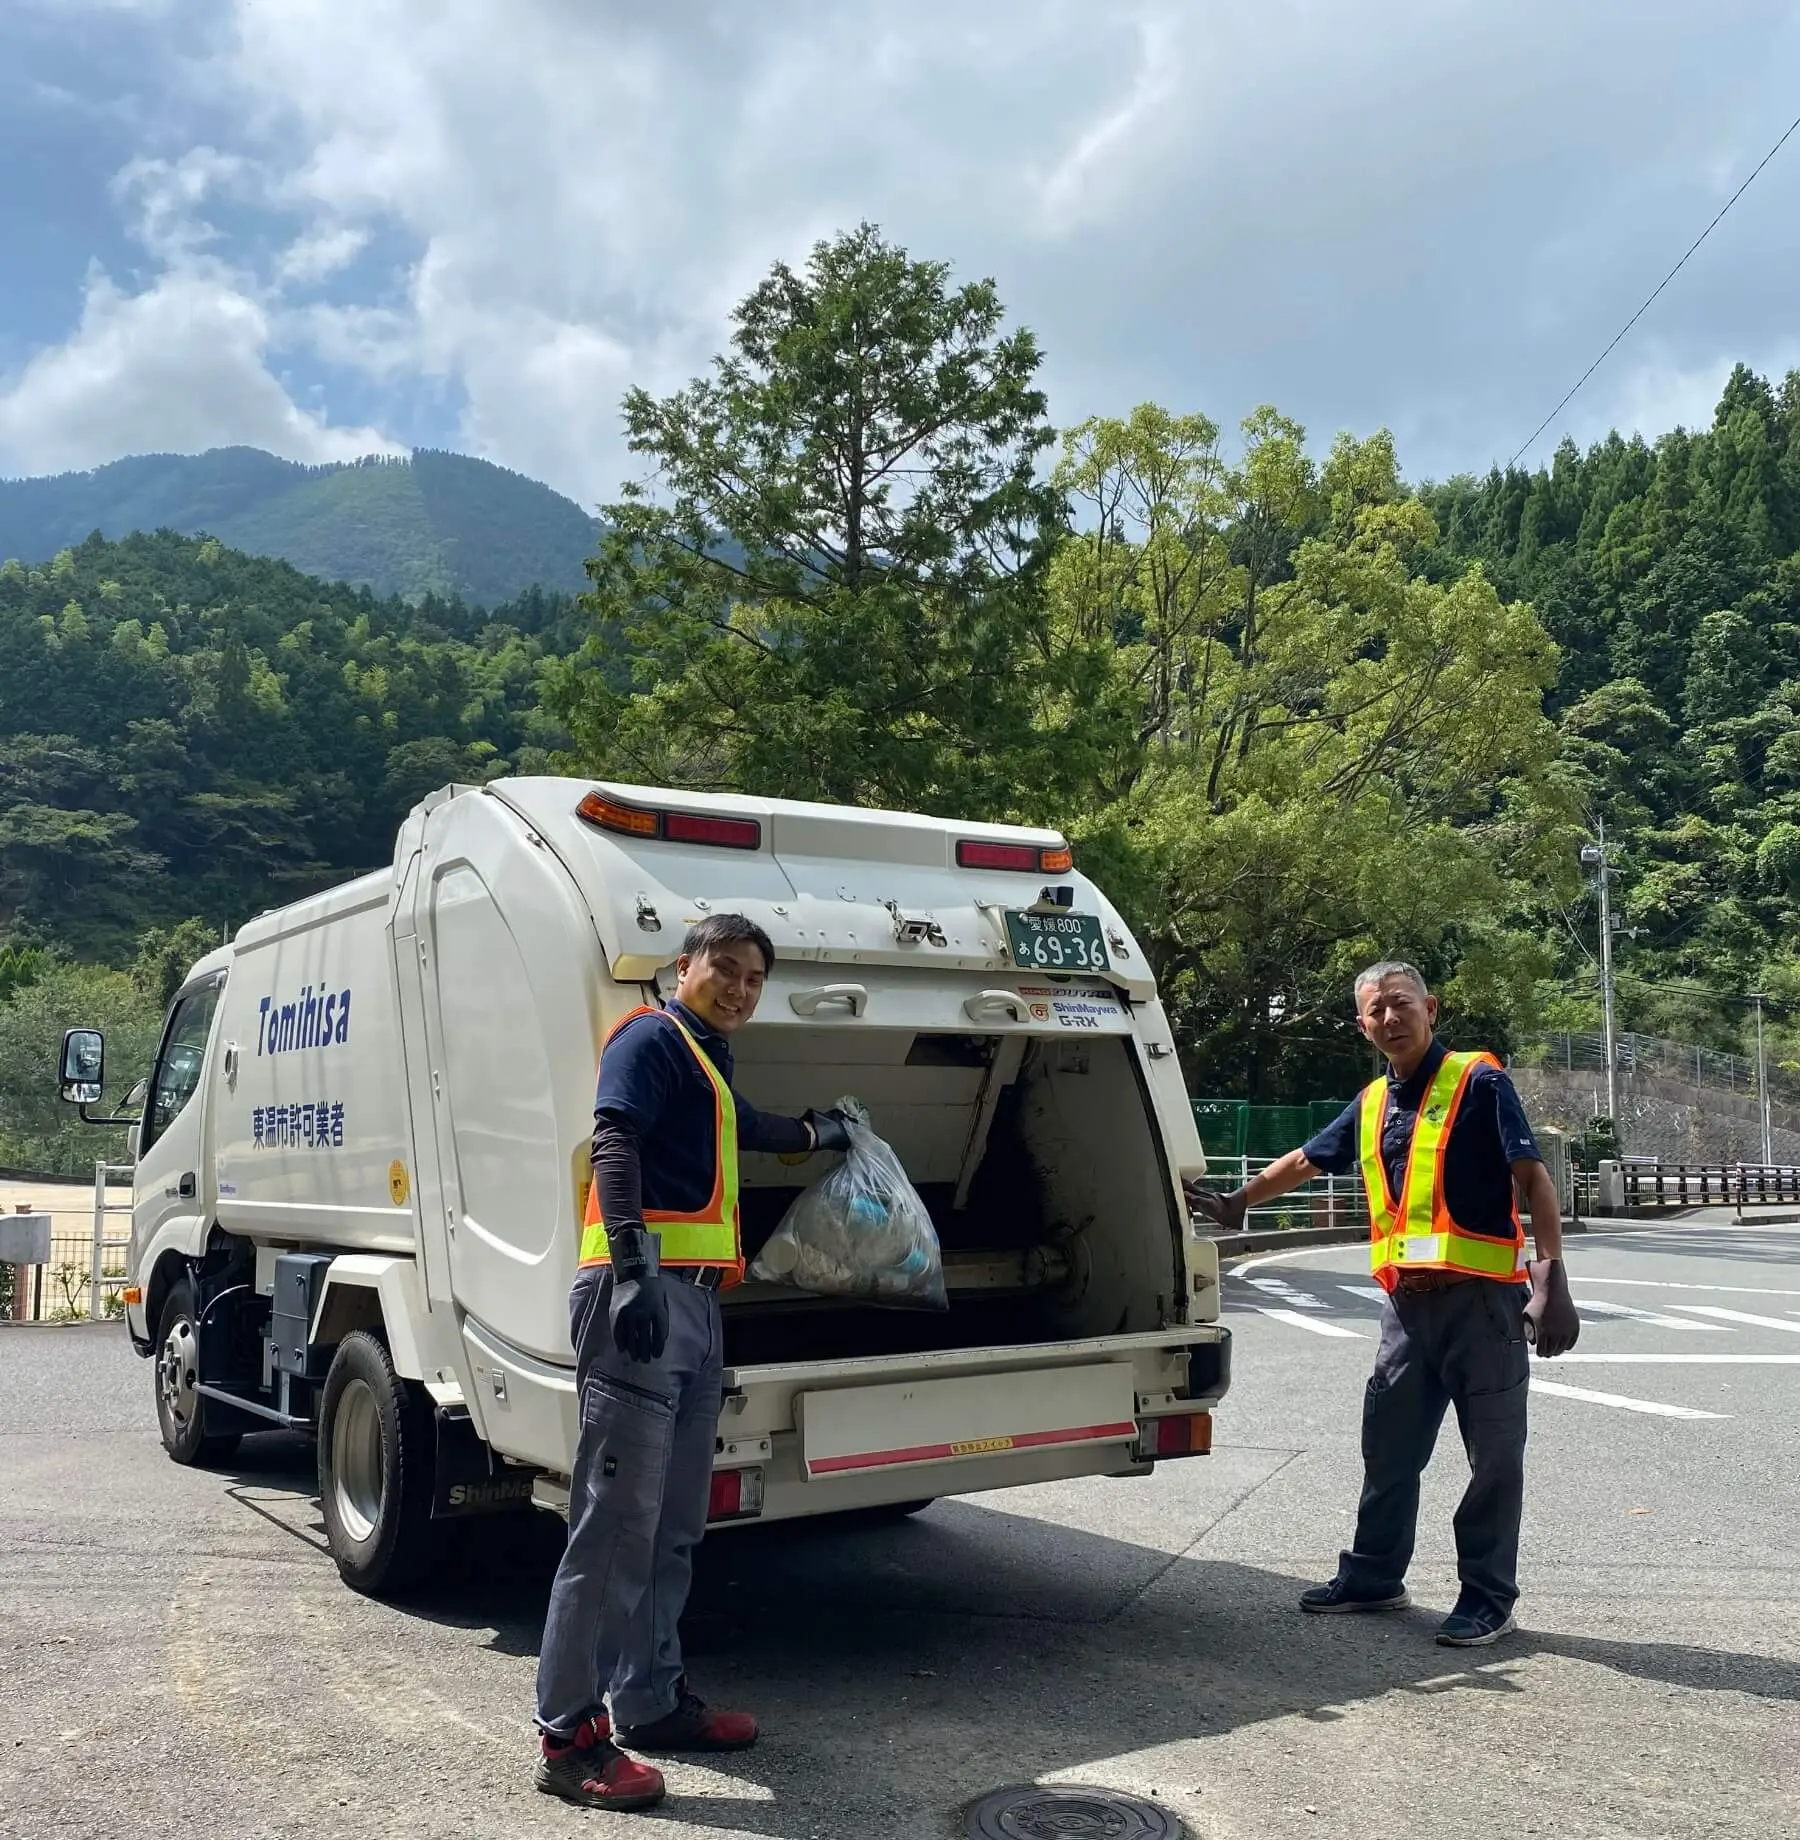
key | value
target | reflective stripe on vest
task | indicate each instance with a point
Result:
(708, 1236)
(1416, 1232)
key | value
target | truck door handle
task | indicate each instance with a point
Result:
(185, 1187)
(984, 1003)
(810, 1002)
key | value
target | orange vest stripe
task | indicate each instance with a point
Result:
(709, 1235)
(1416, 1232)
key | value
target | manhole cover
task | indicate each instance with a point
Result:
(1070, 1812)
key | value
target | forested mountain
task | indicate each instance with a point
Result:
(1669, 573)
(437, 524)
(189, 731)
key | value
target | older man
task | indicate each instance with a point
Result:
(1446, 1155)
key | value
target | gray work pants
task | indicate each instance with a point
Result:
(638, 1497)
(1461, 1346)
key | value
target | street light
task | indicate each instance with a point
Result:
(1593, 856)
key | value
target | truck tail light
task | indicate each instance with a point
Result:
(669, 826)
(1179, 1434)
(737, 1495)
(1025, 858)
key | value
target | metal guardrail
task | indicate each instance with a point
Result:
(1636, 1187)
(99, 1278)
(1650, 1054)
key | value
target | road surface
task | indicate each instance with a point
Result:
(180, 1658)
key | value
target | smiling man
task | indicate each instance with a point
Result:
(1445, 1154)
(660, 1240)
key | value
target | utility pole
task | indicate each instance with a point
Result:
(1593, 856)
(1762, 1085)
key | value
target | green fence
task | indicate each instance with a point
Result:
(1232, 1129)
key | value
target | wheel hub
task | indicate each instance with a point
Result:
(177, 1373)
(358, 1472)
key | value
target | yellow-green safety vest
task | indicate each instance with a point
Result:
(708, 1236)
(1415, 1232)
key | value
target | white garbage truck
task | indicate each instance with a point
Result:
(362, 1162)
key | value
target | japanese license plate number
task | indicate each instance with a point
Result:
(1055, 942)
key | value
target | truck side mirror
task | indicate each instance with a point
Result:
(83, 1066)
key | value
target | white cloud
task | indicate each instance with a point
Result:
(180, 367)
(1428, 213)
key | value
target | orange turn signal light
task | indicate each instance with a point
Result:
(132, 1294)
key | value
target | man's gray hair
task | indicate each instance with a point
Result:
(1387, 968)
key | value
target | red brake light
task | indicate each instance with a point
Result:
(1025, 858)
(729, 833)
(1181, 1434)
(736, 1495)
(671, 826)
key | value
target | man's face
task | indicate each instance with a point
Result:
(1397, 1017)
(724, 985)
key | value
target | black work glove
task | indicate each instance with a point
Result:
(1552, 1325)
(639, 1312)
(1226, 1212)
(830, 1129)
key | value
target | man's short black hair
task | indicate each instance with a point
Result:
(706, 936)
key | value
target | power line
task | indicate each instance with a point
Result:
(1663, 283)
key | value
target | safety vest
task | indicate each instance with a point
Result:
(710, 1235)
(1416, 1232)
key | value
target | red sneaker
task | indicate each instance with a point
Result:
(692, 1726)
(594, 1773)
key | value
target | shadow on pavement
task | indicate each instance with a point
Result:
(891, 1664)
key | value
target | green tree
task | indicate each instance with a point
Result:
(831, 578)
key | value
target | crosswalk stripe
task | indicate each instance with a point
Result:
(1738, 1316)
(1676, 1284)
(1651, 1316)
(1654, 1407)
(1300, 1321)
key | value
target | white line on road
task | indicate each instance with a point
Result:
(1651, 1316)
(1672, 1284)
(1301, 1321)
(1278, 1287)
(1737, 1316)
(1683, 1360)
(1363, 1290)
(1654, 1407)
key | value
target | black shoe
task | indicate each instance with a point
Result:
(1476, 1628)
(1337, 1599)
(692, 1726)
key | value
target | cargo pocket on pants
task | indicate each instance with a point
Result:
(626, 1430)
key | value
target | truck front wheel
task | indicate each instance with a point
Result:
(180, 1410)
(375, 1461)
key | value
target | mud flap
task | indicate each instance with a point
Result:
(469, 1478)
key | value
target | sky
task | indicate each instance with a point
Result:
(336, 227)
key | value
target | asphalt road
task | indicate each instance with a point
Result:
(177, 1656)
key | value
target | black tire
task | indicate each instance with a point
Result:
(180, 1412)
(376, 1453)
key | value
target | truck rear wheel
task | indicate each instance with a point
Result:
(180, 1410)
(375, 1462)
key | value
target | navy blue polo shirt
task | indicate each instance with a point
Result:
(648, 1080)
(1489, 1135)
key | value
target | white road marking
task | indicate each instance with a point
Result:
(1738, 1316)
(1363, 1290)
(1682, 1360)
(1672, 1284)
(1653, 1406)
(1278, 1287)
(1313, 1323)
(1651, 1316)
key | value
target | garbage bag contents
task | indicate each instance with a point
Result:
(859, 1231)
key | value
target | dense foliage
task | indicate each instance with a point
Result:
(185, 731)
(1670, 576)
(437, 524)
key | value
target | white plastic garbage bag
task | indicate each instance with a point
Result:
(859, 1231)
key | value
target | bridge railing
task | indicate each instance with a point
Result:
(1631, 1188)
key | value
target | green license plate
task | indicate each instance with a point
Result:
(1055, 942)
